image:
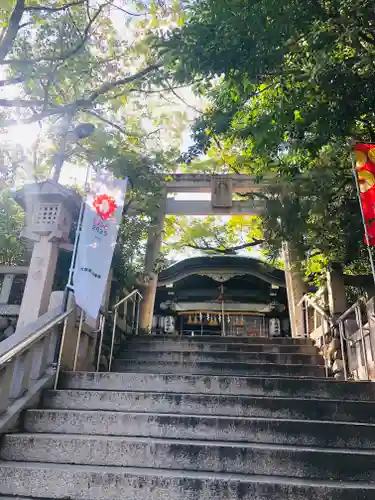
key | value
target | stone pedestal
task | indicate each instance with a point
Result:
(154, 242)
(49, 211)
(296, 288)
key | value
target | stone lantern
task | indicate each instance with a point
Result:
(50, 209)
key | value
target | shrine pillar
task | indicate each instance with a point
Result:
(154, 241)
(296, 288)
(336, 291)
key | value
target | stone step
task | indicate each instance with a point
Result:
(218, 339)
(79, 482)
(218, 368)
(220, 357)
(239, 458)
(191, 346)
(257, 386)
(210, 404)
(210, 427)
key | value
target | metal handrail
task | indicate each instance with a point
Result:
(32, 339)
(321, 311)
(306, 299)
(351, 309)
(101, 329)
(339, 324)
(356, 309)
(134, 292)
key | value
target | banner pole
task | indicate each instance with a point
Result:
(355, 174)
(79, 227)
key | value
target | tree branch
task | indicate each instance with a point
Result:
(135, 14)
(108, 122)
(171, 89)
(106, 87)
(83, 104)
(36, 117)
(13, 27)
(252, 196)
(118, 127)
(12, 81)
(367, 38)
(225, 251)
(370, 128)
(159, 129)
(55, 9)
(60, 57)
(21, 103)
(149, 92)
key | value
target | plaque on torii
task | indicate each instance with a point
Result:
(221, 191)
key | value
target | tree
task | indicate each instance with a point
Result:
(73, 45)
(65, 62)
(71, 59)
(83, 68)
(290, 85)
(12, 250)
(212, 235)
(314, 61)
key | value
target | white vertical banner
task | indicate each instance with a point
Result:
(101, 220)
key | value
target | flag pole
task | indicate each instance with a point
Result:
(355, 174)
(69, 285)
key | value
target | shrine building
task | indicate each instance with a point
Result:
(221, 295)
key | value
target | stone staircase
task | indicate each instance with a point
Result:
(215, 418)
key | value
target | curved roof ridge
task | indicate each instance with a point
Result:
(225, 263)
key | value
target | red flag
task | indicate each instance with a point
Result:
(365, 168)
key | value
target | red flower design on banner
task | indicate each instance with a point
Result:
(105, 206)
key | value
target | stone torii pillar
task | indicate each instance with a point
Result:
(336, 291)
(155, 238)
(49, 209)
(295, 288)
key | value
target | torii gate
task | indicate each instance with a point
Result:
(221, 187)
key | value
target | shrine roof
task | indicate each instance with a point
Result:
(222, 266)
